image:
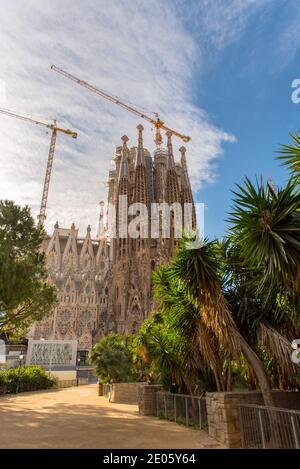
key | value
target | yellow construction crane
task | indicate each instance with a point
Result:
(158, 124)
(54, 129)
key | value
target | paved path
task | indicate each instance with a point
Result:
(78, 418)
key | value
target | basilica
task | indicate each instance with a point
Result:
(104, 284)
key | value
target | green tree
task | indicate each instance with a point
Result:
(262, 255)
(25, 295)
(112, 359)
(290, 157)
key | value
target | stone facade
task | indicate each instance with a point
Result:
(79, 267)
(104, 284)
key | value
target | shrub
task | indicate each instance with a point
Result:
(26, 378)
(112, 359)
(3, 380)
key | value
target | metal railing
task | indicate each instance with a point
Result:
(181, 408)
(269, 427)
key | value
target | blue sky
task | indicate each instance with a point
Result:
(217, 70)
(247, 90)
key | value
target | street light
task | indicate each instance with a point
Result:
(19, 372)
(77, 376)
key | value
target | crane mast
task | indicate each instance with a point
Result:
(158, 124)
(42, 214)
(54, 130)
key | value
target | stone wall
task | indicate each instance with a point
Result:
(223, 412)
(125, 393)
(147, 398)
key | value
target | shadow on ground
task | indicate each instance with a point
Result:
(78, 418)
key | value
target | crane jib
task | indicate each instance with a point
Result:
(157, 123)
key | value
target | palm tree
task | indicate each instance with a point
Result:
(200, 350)
(266, 229)
(290, 156)
(269, 327)
(199, 268)
(263, 287)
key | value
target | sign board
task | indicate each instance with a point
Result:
(54, 353)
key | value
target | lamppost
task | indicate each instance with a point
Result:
(19, 372)
(77, 370)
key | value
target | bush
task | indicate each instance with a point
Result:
(2, 379)
(112, 359)
(26, 378)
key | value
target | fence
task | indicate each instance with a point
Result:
(181, 408)
(269, 427)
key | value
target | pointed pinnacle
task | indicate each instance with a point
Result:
(125, 139)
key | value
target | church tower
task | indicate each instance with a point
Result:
(143, 188)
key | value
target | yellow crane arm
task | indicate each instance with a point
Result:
(26, 119)
(35, 121)
(54, 129)
(156, 122)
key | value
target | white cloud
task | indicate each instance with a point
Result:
(139, 50)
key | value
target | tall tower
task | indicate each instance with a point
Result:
(137, 182)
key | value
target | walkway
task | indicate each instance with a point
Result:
(77, 418)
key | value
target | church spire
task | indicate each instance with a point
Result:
(173, 197)
(101, 228)
(124, 159)
(185, 182)
(187, 200)
(171, 162)
(172, 188)
(140, 193)
(140, 160)
(120, 244)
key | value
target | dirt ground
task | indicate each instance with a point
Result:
(78, 418)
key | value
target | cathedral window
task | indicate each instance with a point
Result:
(65, 316)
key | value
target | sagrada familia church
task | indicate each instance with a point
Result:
(104, 284)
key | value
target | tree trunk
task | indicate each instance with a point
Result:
(258, 369)
(228, 387)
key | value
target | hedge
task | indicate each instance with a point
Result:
(26, 378)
